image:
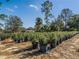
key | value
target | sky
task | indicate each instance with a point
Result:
(28, 10)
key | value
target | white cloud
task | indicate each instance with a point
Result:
(15, 6)
(9, 10)
(34, 6)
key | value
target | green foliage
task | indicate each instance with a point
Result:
(3, 18)
(4, 36)
(38, 24)
(58, 25)
(13, 24)
(61, 22)
(73, 23)
(42, 38)
(46, 9)
(46, 28)
(66, 14)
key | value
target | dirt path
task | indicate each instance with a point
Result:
(66, 50)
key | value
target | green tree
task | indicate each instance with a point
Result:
(13, 24)
(46, 9)
(53, 26)
(57, 25)
(60, 23)
(65, 15)
(45, 28)
(73, 23)
(3, 18)
(38, 24)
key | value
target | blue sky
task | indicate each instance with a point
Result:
(28, 10)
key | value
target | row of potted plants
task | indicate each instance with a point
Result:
(44, 41)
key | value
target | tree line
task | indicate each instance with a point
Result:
(11, 23)
(65, 21)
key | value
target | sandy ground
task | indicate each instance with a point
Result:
(66, 50)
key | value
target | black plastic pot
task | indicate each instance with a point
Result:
(53, 44)
(44, 48)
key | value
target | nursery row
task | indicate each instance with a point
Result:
(43, 41)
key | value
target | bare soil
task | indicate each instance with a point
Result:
(68, 49)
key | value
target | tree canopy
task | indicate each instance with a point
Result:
(13, 24)
(38, 24)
